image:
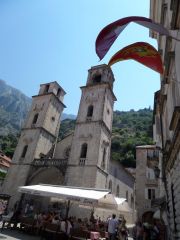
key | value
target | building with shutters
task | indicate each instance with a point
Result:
(167, 108)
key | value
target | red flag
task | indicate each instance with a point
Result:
(109, 34)
(141, 52)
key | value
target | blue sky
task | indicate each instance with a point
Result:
(47, 40)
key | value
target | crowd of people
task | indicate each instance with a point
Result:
(146, 231)
(115, 228)
(68, 224)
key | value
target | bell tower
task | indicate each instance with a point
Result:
(90, 150)
(39, 133)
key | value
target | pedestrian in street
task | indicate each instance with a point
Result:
(122, 230)
(112, 227)
(154, 232)
(146, 231)
(137, 231)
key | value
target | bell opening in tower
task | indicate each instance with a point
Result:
(46, 88)
(90, 111)
(97, 79)
(59, 92)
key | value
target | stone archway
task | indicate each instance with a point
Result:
(148, 217)
(45, 175)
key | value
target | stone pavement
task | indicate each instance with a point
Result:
(9, 234)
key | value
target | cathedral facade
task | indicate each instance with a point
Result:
(81, 159)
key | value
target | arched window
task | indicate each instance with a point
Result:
(97, 79)
(90, 111)
(41, 155)
(46, 88)
(132, 201)
(103, 158)
(110, 185)
(117, 191)
(24, 151)
(58, 92)
(35, 118)
(127, 196)
(83, 150)
(67, 152)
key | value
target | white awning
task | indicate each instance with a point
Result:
(120, 200)
(64, 192)
(124, 207)
(81, 195)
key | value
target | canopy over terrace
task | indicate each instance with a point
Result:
(83, 196)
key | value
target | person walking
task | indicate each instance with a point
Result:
(137, 231)
(122, 230)
(112, 227)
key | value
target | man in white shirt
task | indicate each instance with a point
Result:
(112, 227)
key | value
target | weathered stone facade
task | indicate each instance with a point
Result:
(38, 135)
(147, 157)
(93, 131)
(167, 108)
(80, 159)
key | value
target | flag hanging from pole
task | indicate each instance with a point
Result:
(109, 34)
(141, 52)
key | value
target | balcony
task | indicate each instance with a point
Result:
(88, 119)
(157, 202)
(147, 204)
(48, 162)
(82, 161)
(151, 182)
(152, 158)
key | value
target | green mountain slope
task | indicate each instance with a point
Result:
(130, 129)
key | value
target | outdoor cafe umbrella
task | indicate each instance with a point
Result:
(101, 198)
(124, 207)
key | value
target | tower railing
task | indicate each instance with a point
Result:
(48, 162)
(82, 161)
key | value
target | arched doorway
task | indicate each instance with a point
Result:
(50, 175)
(148, 217)
(44, 175)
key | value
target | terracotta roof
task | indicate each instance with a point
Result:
(4, 160)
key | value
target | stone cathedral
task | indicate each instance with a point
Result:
(80, 159)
